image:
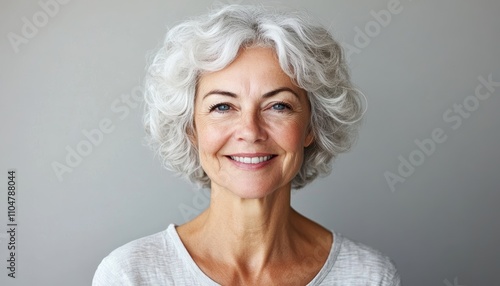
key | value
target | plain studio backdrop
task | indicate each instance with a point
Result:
(421, 185)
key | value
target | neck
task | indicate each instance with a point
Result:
(253, 231)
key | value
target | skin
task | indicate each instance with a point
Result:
(250, 235)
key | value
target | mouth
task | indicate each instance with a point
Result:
(251, 160)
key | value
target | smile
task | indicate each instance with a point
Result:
(251, 160)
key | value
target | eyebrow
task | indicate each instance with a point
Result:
(265, 95)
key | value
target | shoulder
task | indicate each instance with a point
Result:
(356, 255)
(359, 264)
(145, 248)
(135, 262)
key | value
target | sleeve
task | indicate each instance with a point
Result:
(396, 279)
(384, 271)
(359, 264)
(110, 273)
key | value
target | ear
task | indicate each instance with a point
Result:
(191, 134)
(309, 138)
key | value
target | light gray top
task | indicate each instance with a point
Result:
(162, 259)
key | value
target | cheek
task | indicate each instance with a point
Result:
(290, 136)
(210, 139)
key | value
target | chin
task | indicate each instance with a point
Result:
(251, 190)
(252, 194)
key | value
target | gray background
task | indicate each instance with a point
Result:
(440, 226)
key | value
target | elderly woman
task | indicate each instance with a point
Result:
(249, 103)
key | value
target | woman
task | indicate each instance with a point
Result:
(250, 103)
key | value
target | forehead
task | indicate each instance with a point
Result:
(255, 69)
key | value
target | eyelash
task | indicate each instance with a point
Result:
(213, 107)
(286, 105)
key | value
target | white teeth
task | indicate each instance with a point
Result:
(251, 160)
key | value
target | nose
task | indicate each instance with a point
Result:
(251, 128)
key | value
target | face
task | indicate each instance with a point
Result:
(251, 125)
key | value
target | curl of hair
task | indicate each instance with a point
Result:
(306, 52)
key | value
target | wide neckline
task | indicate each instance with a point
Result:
(199, 274)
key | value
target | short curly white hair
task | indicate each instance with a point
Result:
(307, 53)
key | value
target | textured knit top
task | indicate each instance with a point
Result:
(161, 259)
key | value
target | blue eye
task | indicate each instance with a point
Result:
(280, 106)
(221, 107)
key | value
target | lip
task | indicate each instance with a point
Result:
(250, 166)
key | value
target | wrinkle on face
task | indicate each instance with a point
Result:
(250, 88)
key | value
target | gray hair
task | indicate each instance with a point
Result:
(306, 52)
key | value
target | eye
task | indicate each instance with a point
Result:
(220, 107)
(281, 106)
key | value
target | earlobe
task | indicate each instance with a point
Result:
(193, 141)
(309, 139)
(191, 134)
